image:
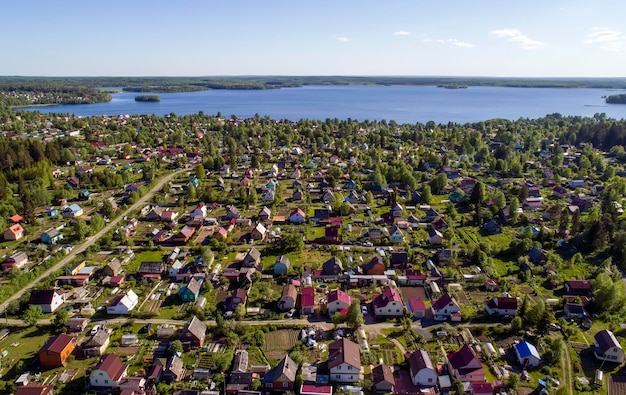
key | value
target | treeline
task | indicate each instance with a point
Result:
(40, 92)
(616, 99)
(148, 98)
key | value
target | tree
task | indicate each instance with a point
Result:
(426, 194)
(60, 318)
(513, 207)
(499, 200)
(200, 173)
(177, 346)
(32, 315)
(337, 318)
(516, 323)
(355, 315)
(478, 194)
(80, 229)
(97, 223)
(438, 182)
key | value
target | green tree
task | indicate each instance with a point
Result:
(60, 318)
(96, 223)
(355, 315)
(438, 183)
(80, 229)
(32, 315)
(426, 194)
(513, 207)
(177, 346)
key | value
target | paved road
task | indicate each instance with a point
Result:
(92, 239)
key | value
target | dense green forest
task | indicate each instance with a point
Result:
(148, 98)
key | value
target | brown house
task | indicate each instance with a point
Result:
(192, 335)
(112, 268)
(56, 351)
(282, 377)
(375, 266)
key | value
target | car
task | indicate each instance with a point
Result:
(290, 313)
(368, 244)
(364, 310)
(228, 314)
(555, 327)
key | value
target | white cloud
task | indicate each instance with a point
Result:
(402, 33)
(516, 36)
(343, 39)
(609, 40)
(452, 41)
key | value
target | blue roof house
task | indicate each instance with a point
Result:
(527, 354)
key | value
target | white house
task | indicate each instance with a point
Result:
(501, 306)
(49, 300)
(607, 348)
(446, 308)
(338, 300)
(108, 372)
(344, 361)
(423, 371)
(388, 304)
(527, 354)
(123, 304)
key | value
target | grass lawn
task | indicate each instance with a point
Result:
(143, 256)
(22, 344)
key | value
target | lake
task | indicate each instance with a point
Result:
(404, 104)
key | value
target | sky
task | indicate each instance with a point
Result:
(530, 38)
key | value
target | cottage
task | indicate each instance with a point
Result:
(97, 344)
(191, 291)
(388, 304)
(288, 298)
(382, 378)
(344, 361)
(465, 366)
(123, 304)
(423, 372)
(501, 306)
(151, 270)
(282, 377)
(446, 308)
(396, 235)
(192, 335)
(399, 259)
(35, 390)
(185, 235)
(375, 266)
(297, 216)
(108, 372)
(281, 266)
(307, 301)
(575, 311)
(259, 232)
(434, 236)
(174, 369)
(338, 300)
(332, 267)
(14, 232)
(578, 287)
(56, 351)
(416, 307)
(113, 268)
(252, 259)
(49, 300)
(607, 348)
(76, 324)
(18, 260)
(527, 354)
(72, 211)
(238, 297)
(491, 227)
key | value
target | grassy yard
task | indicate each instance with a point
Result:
(144, 256)
(22, 344)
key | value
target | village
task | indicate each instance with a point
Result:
(301, 270)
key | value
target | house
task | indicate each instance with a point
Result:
(72, 211)
(191, 291)
(56, 351)
(344, 361)
(288, 298)
(388, 304)
(431, 215)
(481, 388)
(240, 361)
(238, 297)
(537, 256)
(382, 378)
(328, 196)
(297, 216)
(18, 260)
(332, 267)
(185, 234)
(269, 196)
(51, 236)
(578, 287)
(174, 369)
(232, 212)
(123, 304)
(396, 210)
(446, 308)
(396, 235)
(76, 324)
(575, 311)
(331, 234)
(491, 227)
(375, 266)
(152, 270)
(416, 307)
(491, 285)
(259, 232)
(52, 211)
(108, 372)
(97, 344)
(434, 236)
(265, 214)
(399, 259)
(527, 354)
(113, 268)
(338, 300)
(297, 195)
(465, 366)
(307, 296)
(252, 258)
(281, 266)
(423, 372)
(282, 377)
(607, 348)
(34, 390)
(501, 306)
(49, 300)
(192, 335)
(14, 232)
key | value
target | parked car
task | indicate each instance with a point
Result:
(364, 310)
(290, 313)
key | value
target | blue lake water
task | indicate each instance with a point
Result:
(404, 104)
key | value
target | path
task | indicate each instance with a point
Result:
(91, 240)
(566, 365)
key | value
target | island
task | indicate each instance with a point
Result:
(616, 99)
(148, 98)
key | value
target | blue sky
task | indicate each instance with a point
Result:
(531, 38)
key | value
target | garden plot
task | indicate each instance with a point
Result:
(278, 343)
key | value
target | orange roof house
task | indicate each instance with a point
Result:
(15, 232)
(56, 351)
